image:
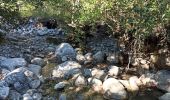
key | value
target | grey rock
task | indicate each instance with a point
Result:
(80, 81)
(166, 96)
(88, 57)
(163, 79)
(38, 61)
(60, 85)
(4, 92)
(87, 72)
(99, 57)
(21, 87)
(36, 69)
(3, 83)
(63, 97)
(66, 69)
(35, 84)
(13, 63)
(65, 50)
(4, 72)
(113, 89)
(14, 95)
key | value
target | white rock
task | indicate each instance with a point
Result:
(66, 69)
(60, 85)
(113, 70)
(27, 97)
(96, 84)
(38, 61)
(99, 74)
(80, 58)
(80, 81)
(113, 89)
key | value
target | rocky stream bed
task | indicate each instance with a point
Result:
(32, 67)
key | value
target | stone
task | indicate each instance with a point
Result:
(65, 50)
(66, 69)
(14, 95)
(87, 72)
(36, 69)
(89, 58)
(166, 96)
(27, 97)
(13, 63)
(99, 57)
(99, 74)
(80, 81)
(113, 70)
(4, 92)
(113, 89)
(3, 83)
(163, 79)
(37, 96)
(4, 72)
(63, 97)
(113, 58)
(35, 83)
(80, 58)
(143, 61)
(38, 61)
(96, 84)
(60, 86)
(21, 87)
(134, 82)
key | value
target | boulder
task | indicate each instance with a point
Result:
(113, 89)
(14, 95)
(166, 96)
(65, 52)
(13, 63)
(4, 92)
(162, 77)
(36, 69)
(99, 57)
(66, 69)
(113, 71)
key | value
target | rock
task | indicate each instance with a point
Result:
(4, 72)
(113, 89)
(27, 97)
(60, 86)
(113, 58)
(36, 69)
(66, 69)
(89, 58)
(96, 84)
(126, 84)
(63, 97)
(99, 74)
(134, 82)
(145, 66)
(4, 92)
(87, 72)
(99, 57)
(65, 50)
(168, 61)
(80, 81)
(113, 71)
(35, 84)
(37, 96)
(80, 58)
(2, 58)
(166, 96)
(20, 79)
(143, 61)
(14, 95)
(38, 61)
(3, 83)
(163, 79)
(13, 63)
